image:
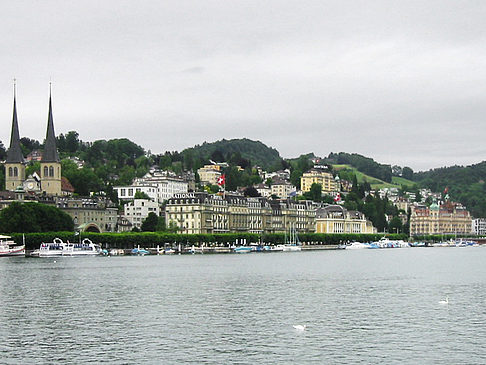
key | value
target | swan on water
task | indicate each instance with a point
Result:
(446, 301)
(300, 327)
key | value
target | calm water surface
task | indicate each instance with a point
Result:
(360, 306)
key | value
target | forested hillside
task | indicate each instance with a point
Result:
(465, 184)
(253, 151)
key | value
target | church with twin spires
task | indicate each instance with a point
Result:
(49, 181)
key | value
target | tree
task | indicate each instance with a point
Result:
(141, 195)
(34, 217)
(72, 141)
(395, 225)
(150, 223)
(407, 173)
(251, 191)
(316, 192)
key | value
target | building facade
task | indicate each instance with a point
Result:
(449, 218)
(138, 210)
(209, 174)
(89, 214)
(337, 219)
(479, 226)
(212, 213)
(319, 176)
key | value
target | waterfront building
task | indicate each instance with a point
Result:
(138, 210)
(448, 218)
(89, 214)
(212, 213)
(321, 176)
(479, 226)
(337, 219)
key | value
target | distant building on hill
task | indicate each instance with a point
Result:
(321, 176)
(209, 174)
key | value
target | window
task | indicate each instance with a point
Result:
(46, 171)
(10, 171)
(122, 192)
(51, 171)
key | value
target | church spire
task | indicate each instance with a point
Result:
(50, 149)
(14, 154)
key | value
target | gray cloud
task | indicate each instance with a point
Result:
(402, 82)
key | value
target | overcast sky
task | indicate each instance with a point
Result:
(403, 82)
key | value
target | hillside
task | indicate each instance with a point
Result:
(465, 184)
(223, 150)
(375, 183)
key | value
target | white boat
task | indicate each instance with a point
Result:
(59, 248)
(84, 248)
(356, 245)
(291, 248)
(8, 247)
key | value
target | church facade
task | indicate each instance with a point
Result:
(49, 181)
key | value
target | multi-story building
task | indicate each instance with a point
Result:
(336, 219)
(209, 174)
(282, 188)
(479, 226)
(449, 218)
(321, 176)
(264, 190)
(128, 192)
(90, 214)
(138, 210)
(158, 185)
(206, 213)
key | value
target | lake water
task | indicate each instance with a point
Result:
(360, 306)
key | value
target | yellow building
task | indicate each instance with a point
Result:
(209, 174)
(336, 219)
(206, 213)
(319, 176)
(449, 218)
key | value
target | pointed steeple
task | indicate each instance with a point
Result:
(14, 154)
(50, 149)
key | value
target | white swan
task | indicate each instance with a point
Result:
(300, 327)
(446, 301)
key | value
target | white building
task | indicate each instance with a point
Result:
(282, 189)
(128, 192)
(158, 185)
(138, 210)
(479, 226)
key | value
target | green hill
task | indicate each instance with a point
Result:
(373, 181)
(466, 184)
(230, 150)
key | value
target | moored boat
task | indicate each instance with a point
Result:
(242, 249)
(8, 247)
(58, 248)
(291, 248)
